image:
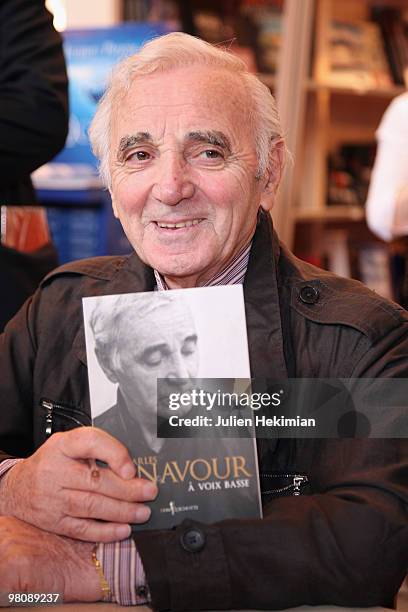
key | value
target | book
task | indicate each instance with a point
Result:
(224, 31)
(356, 56)
(145, 353)
(393, 28)
(349, 173)
(266, 21)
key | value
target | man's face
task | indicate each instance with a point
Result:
(184, 166)
(162, 344)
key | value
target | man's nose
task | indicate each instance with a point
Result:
(173, 183)
(178, 369)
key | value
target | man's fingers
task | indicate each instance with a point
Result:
(75, 497)
(109, 484)
(94, 443)
(93, 531)
(94, 506)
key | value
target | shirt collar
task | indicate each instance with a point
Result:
(233, 274)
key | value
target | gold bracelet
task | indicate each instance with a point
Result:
(102, 580)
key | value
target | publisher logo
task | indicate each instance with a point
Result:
(173, 509)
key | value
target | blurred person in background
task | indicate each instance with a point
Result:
(387, 203)
(33, 128)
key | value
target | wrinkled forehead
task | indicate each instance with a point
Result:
(198, 94)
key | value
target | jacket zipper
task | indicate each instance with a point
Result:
(60, 409)
(297, 481)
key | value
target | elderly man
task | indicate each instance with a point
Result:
(192, 152)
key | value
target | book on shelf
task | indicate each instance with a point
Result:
(152, 11)
(151, 357)
(229, 31)
(394, 28)
(349, 173)
(265, 21)
(356, 56)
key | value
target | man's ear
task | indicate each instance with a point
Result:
(105, 364)
(273, 174)
(114, 207)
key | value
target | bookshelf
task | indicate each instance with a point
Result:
(382, 92)
(320, 115)
(332, 115)
(335, 212)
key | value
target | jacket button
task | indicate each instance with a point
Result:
(309, 294)
(141, 591)
(193, 540)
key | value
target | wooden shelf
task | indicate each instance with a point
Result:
(387, 93)
(332, 213)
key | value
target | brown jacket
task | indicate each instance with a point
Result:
(345, 541)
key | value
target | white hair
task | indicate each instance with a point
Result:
(108, 315)
(112, 315)
(179, 50)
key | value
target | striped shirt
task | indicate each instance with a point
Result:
(233, 274)
(121, 563)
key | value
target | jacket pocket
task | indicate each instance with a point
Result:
(59, 416)
(276, 484)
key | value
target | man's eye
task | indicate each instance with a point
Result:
(189, 347)
(139, 156)
(211, 154)
(152, 357)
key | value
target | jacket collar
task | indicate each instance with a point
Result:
(265, 336)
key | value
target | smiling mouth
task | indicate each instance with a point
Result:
(179, 225)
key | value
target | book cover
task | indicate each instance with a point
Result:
(144, 349)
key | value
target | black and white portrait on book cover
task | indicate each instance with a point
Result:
(178, 337)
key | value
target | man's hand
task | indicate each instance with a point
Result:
(59, 490)
(34, 561)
